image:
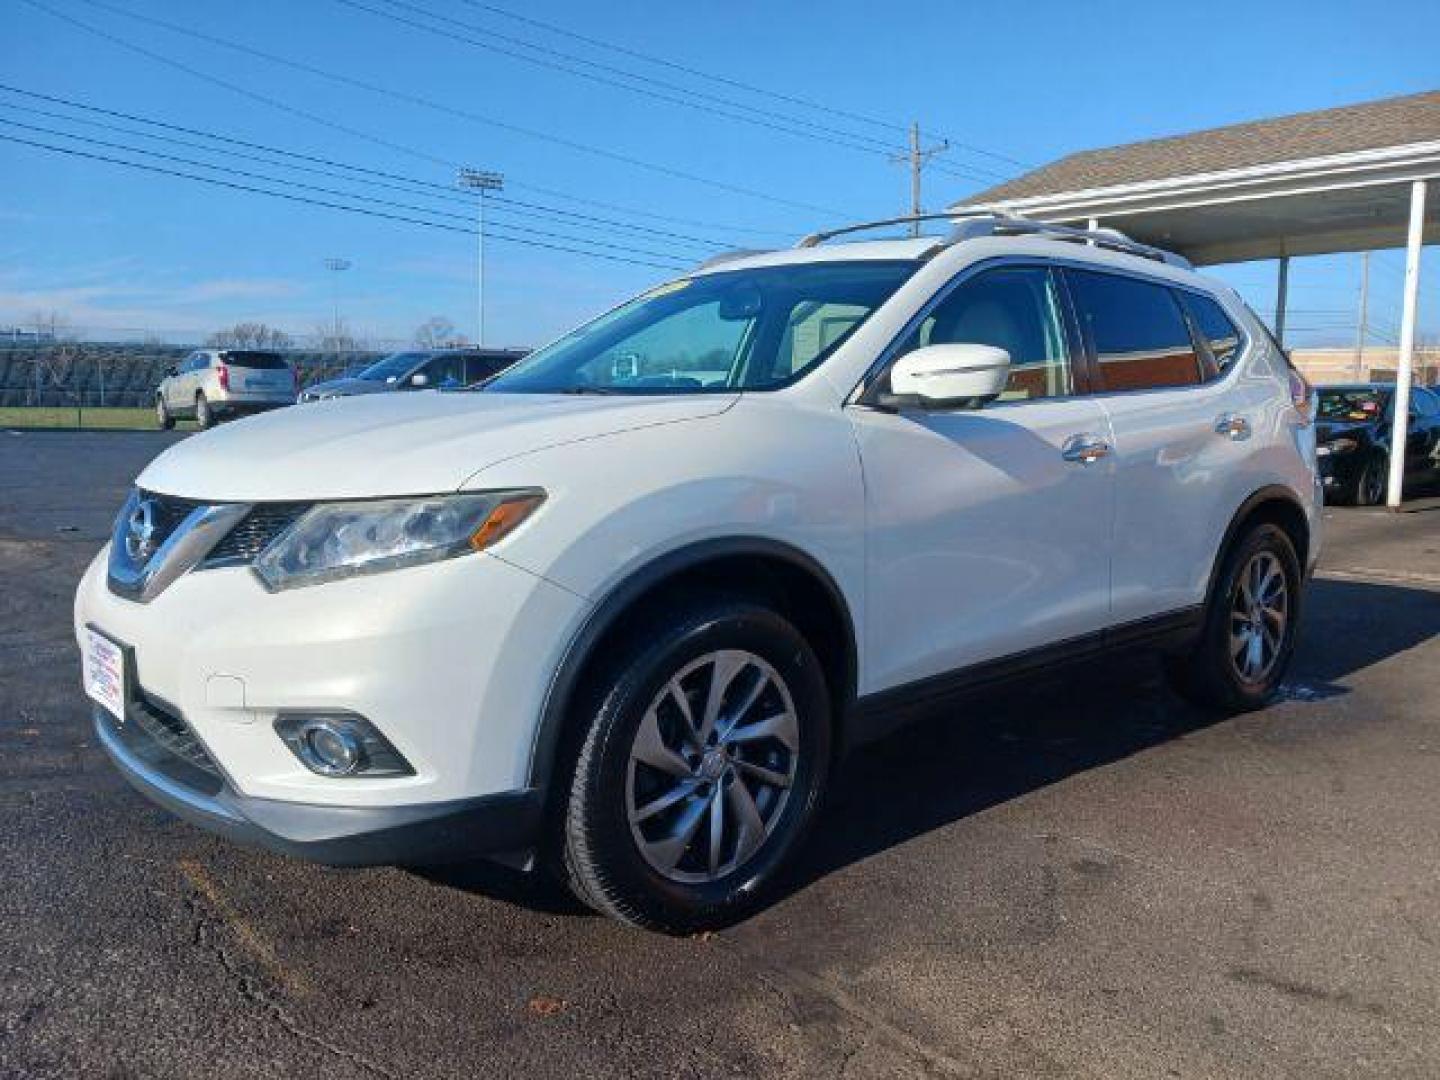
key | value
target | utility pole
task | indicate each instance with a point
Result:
(916, 158)
(336, 266)
(480, 182)
(1364, 313)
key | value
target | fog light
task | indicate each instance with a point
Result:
(332, 750)
(340, 744)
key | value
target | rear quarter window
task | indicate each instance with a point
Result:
(1221, 336)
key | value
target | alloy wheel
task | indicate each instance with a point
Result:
(712, 766)
(1259, 617)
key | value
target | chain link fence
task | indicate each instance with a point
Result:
(95, 376)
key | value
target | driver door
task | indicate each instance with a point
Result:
(986, 536)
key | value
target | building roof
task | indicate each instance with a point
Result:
(1391, 122)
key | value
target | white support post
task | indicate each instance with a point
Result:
(1405, 372)
(1282, 294)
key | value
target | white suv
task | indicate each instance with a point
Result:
(211, 384)
(620, 610)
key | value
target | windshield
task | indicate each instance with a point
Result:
(742, 330)
(1352, 403)
(392, 367)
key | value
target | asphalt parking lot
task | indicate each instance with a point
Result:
(1082, 878)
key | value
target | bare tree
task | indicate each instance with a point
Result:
(250, 335)
(337, 338)
(51, 326)
(435, 332)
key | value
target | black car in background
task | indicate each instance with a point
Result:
(1353, 440)
(419, 369)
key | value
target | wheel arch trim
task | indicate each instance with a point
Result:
(565, 679)
(1269, 494)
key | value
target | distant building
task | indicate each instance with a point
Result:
(1340, 365)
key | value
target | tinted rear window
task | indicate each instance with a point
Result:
(1140, 337)
(1216, 328)
(265, 360)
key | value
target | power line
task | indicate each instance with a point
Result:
(412, 99)
(723, 80)
(761, 118)
(328, 205)
(390, 203)
(566, 62)
(423, 188)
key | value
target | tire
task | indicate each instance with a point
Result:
(204, 415)
(162, 414)
(643, 774)
(1370, 484)
(1224, 670)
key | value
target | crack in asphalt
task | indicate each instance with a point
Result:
(252, 989)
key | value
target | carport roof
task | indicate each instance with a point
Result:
(1319, 182)
(1368, 126)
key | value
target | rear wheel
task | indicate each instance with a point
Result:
(701, 770)
(162, 414)
(204, 417)
(1249, 629)
(1370, 484)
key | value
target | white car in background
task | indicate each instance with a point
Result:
(213, 384)
(619, 612)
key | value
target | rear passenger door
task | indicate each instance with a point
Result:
(1168, 399)
(986, 534)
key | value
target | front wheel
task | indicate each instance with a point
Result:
(162, 415)
(702, 768)
(1249, 629)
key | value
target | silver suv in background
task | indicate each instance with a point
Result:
(422, 369)
(210, 384)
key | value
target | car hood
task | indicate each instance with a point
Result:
(396, 444)
(349, 387)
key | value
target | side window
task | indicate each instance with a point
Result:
(485, 367)
(1016, 309)
(1215, 327)
(1140, 337)
(446, 371)
(1427, 400)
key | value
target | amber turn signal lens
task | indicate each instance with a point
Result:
(505, 518)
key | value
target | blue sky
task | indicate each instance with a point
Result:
(121, 250)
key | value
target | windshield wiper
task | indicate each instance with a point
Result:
(588, 390)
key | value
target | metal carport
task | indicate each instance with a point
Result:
(1347, 179)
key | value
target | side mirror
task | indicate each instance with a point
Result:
(419, 380)
(950, 376)
(172, 371)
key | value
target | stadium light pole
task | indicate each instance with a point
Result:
(480, 182)
(335, 266)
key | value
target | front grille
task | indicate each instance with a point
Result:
(163, 740)
(260, 526)
(168, 512)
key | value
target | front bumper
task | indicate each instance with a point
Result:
(450, 661)
(503, 825)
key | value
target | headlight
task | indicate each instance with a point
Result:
(345, 539)
(1336, 446)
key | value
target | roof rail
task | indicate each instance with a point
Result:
(815, 239)
(1109, 239)
(984, 221)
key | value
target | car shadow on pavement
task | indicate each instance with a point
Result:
(1002, 744)
(996, 746)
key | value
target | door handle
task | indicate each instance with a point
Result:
(1233, 426)
(1084, 448)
